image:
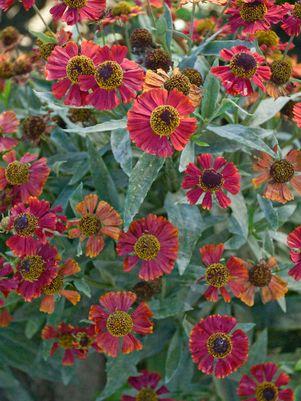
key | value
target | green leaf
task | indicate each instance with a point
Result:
(43, 37)
(103, 182)
(187, 156)
(226, 389)
(142, 176)
(210, 95)
(76, 197)
(258, 351)
(103, 127)
(269, 212)
(33, 325)
(173, 357)
(121, 148)
(13, 389)
(246, 136)
(213, 48)
(189, 223)
(169, 23)
(83, 287)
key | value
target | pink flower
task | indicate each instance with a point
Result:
(73, 11)
(8, 125)
(6, 4)
(292, 18)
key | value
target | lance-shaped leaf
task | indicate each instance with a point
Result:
(121, 148)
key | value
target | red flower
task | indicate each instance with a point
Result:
(56, 287)
(292, 18)
(152, 241)
(297, 114)
(278, 173)
(115, 325)
(31, 222)
(36, 270)
(158, 121)
(116, 78)
(6, 4)
(265, 384)
(221, 277)
(8, 125)
(244, 68)
(253, 16)
(27, 176)
(147, 387)
(211, 179)
(7, 282)
(98, 220)
(260, 276)
(66, 64)
(5, 316)
(74, 11)
(216, 348)
(294, 243)
(67, 338)
(122, 12)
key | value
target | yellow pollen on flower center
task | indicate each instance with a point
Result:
(17, 173)
(219, 345)
(54, 287)
(268, 38)
(243, 65)
(89, 225)
(179, 82)
(75, 3)
(164, 120)
(217, 275)
(119, 324)
(66, 341)
(32, 267)
(282, 171)
(266, 391)
(281, 72)
(79, 65)
(146, 394)
(83, 340)
(147, 247)
(122, 8)
(260, 275)
(109, 75)
(25, 224)
(297, 10)
(251, 12)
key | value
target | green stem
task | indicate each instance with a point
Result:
(191, 26)
(150, 13)
(127, 39)
(288, 46)
(42, 19)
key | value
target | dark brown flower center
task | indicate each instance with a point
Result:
(141, 38)
(109, 75)
(282, 171)
(147, 247)
(193, 75)
(211, 180)
(17, 173)
(217, 275)
(25, 224)
(79, 65)
(80, 115)
(122, 8)
(31, 267)
(251, 12)
(158, 58)
(89, 225)
(243, 65)
(266, 391)
(219, 345)
(9, 36)
(75, 3)
(164, 120)
(297, 10)
(146, 394)
(54, 287)
(34, 127)
(6, 69)
(119, 324)
(260, 275)
(281, 72)
(179, 82)
(83, 340)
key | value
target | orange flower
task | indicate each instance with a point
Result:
(278, 173)
(175, 80)
(260, 276)
(98, 219)
(56, 287)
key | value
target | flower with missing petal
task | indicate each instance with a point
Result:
(74, 11)
(265, 383)
(222, 277)
(116, 324)
(65, 65)
(35, 270)
(210, 178)
(57, 287)
(216, 347)
(147, 388)
(116, 79)
(98, 219)
(244, 68)
(291, 22)
(294, 243)
(260, 276)
(26, 176)
(151, 242)
(278, 173)
(8, 125)
(8, 282)
(159, 122)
